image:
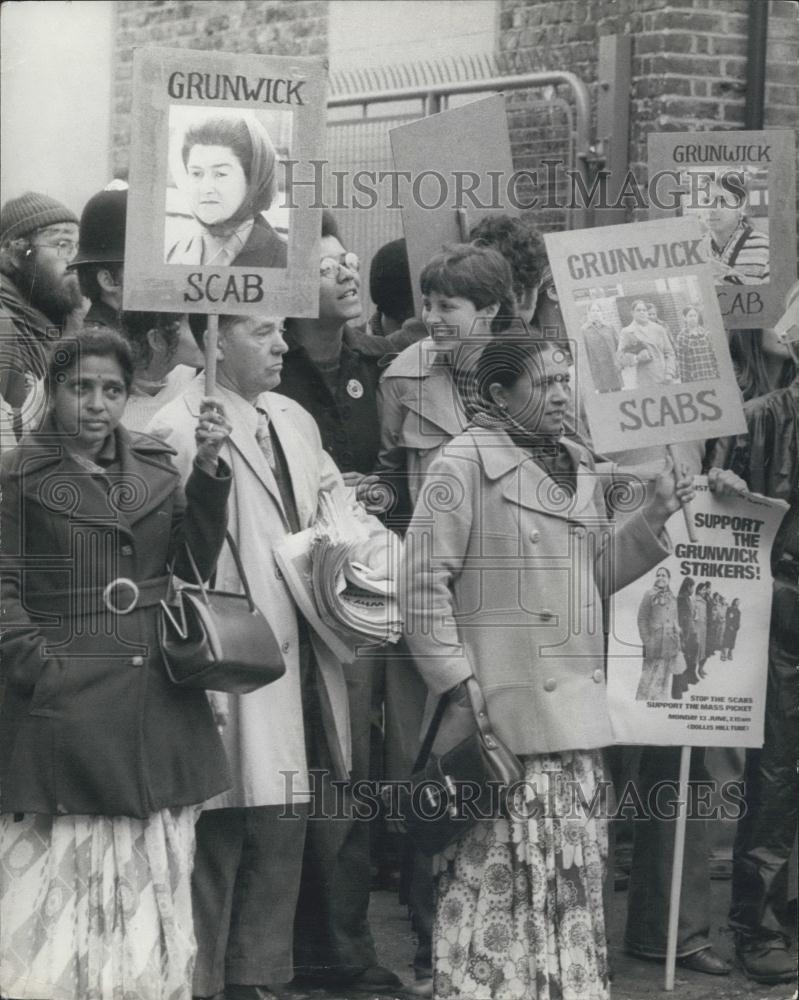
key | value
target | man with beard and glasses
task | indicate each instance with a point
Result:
(40, 300)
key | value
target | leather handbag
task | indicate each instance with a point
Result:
(450, 793)
(215, 639)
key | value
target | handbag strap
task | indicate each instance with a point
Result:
(480, 714)
(199, 581)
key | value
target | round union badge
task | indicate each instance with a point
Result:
(354, 388)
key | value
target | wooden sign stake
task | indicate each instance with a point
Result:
(686, 507)
(211, 339)
(676, 871)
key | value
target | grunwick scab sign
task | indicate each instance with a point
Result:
(741, 187)
(210, 226)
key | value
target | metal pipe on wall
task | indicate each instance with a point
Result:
(757, 36)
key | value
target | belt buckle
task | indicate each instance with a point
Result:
(121, 581)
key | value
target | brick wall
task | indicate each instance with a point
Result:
(277, 27)
(688, 61)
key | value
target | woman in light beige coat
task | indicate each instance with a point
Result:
(508, 557)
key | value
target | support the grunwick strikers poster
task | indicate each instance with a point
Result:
(688, 645)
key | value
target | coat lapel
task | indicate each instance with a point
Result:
(147, 478)
(244, 419)
(121, 497)
(295, 449)
(438, 403)
(526, 484)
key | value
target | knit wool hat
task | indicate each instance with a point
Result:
(29, 212)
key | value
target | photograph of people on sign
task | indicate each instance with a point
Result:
(741, 188)
(653, 363)
(651, 338)
(687, 658)
(223, 187)
(221, 215)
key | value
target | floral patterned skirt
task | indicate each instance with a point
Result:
(519, 912)
(97, 907)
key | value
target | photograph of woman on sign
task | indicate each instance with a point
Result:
(601, 345)
(659, 628)
(645, 355)
(224, 165)
(695, 355)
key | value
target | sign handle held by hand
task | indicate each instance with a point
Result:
(676, 870)
(686, 507)
(211, 338)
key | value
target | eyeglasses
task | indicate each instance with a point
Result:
(329, 266)
(563, 379)
(65, 249)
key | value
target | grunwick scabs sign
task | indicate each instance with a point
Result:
(209, 227)
(653, 363)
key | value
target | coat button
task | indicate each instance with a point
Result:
(550, 684)
(535, 536)
(137, 661)
(546, 614)
(127, 550)
(599, 676)
(286, 646)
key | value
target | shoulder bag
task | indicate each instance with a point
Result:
(448, 794)
(215, 639)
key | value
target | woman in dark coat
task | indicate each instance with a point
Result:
(102, 759)
(731, 625)
(230, 180)
(704, 620)
(688, 638)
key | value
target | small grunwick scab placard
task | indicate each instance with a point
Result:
(741, 187)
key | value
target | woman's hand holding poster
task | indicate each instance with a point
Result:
(688, 645)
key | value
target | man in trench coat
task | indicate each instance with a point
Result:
(250, 839)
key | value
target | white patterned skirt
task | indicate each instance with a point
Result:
(519, 912)
(97, 907)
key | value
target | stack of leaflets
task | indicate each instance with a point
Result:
(342, 573)
(354, 573)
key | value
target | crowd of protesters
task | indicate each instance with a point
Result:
(159, 843)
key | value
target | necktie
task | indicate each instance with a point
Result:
(264, 438)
